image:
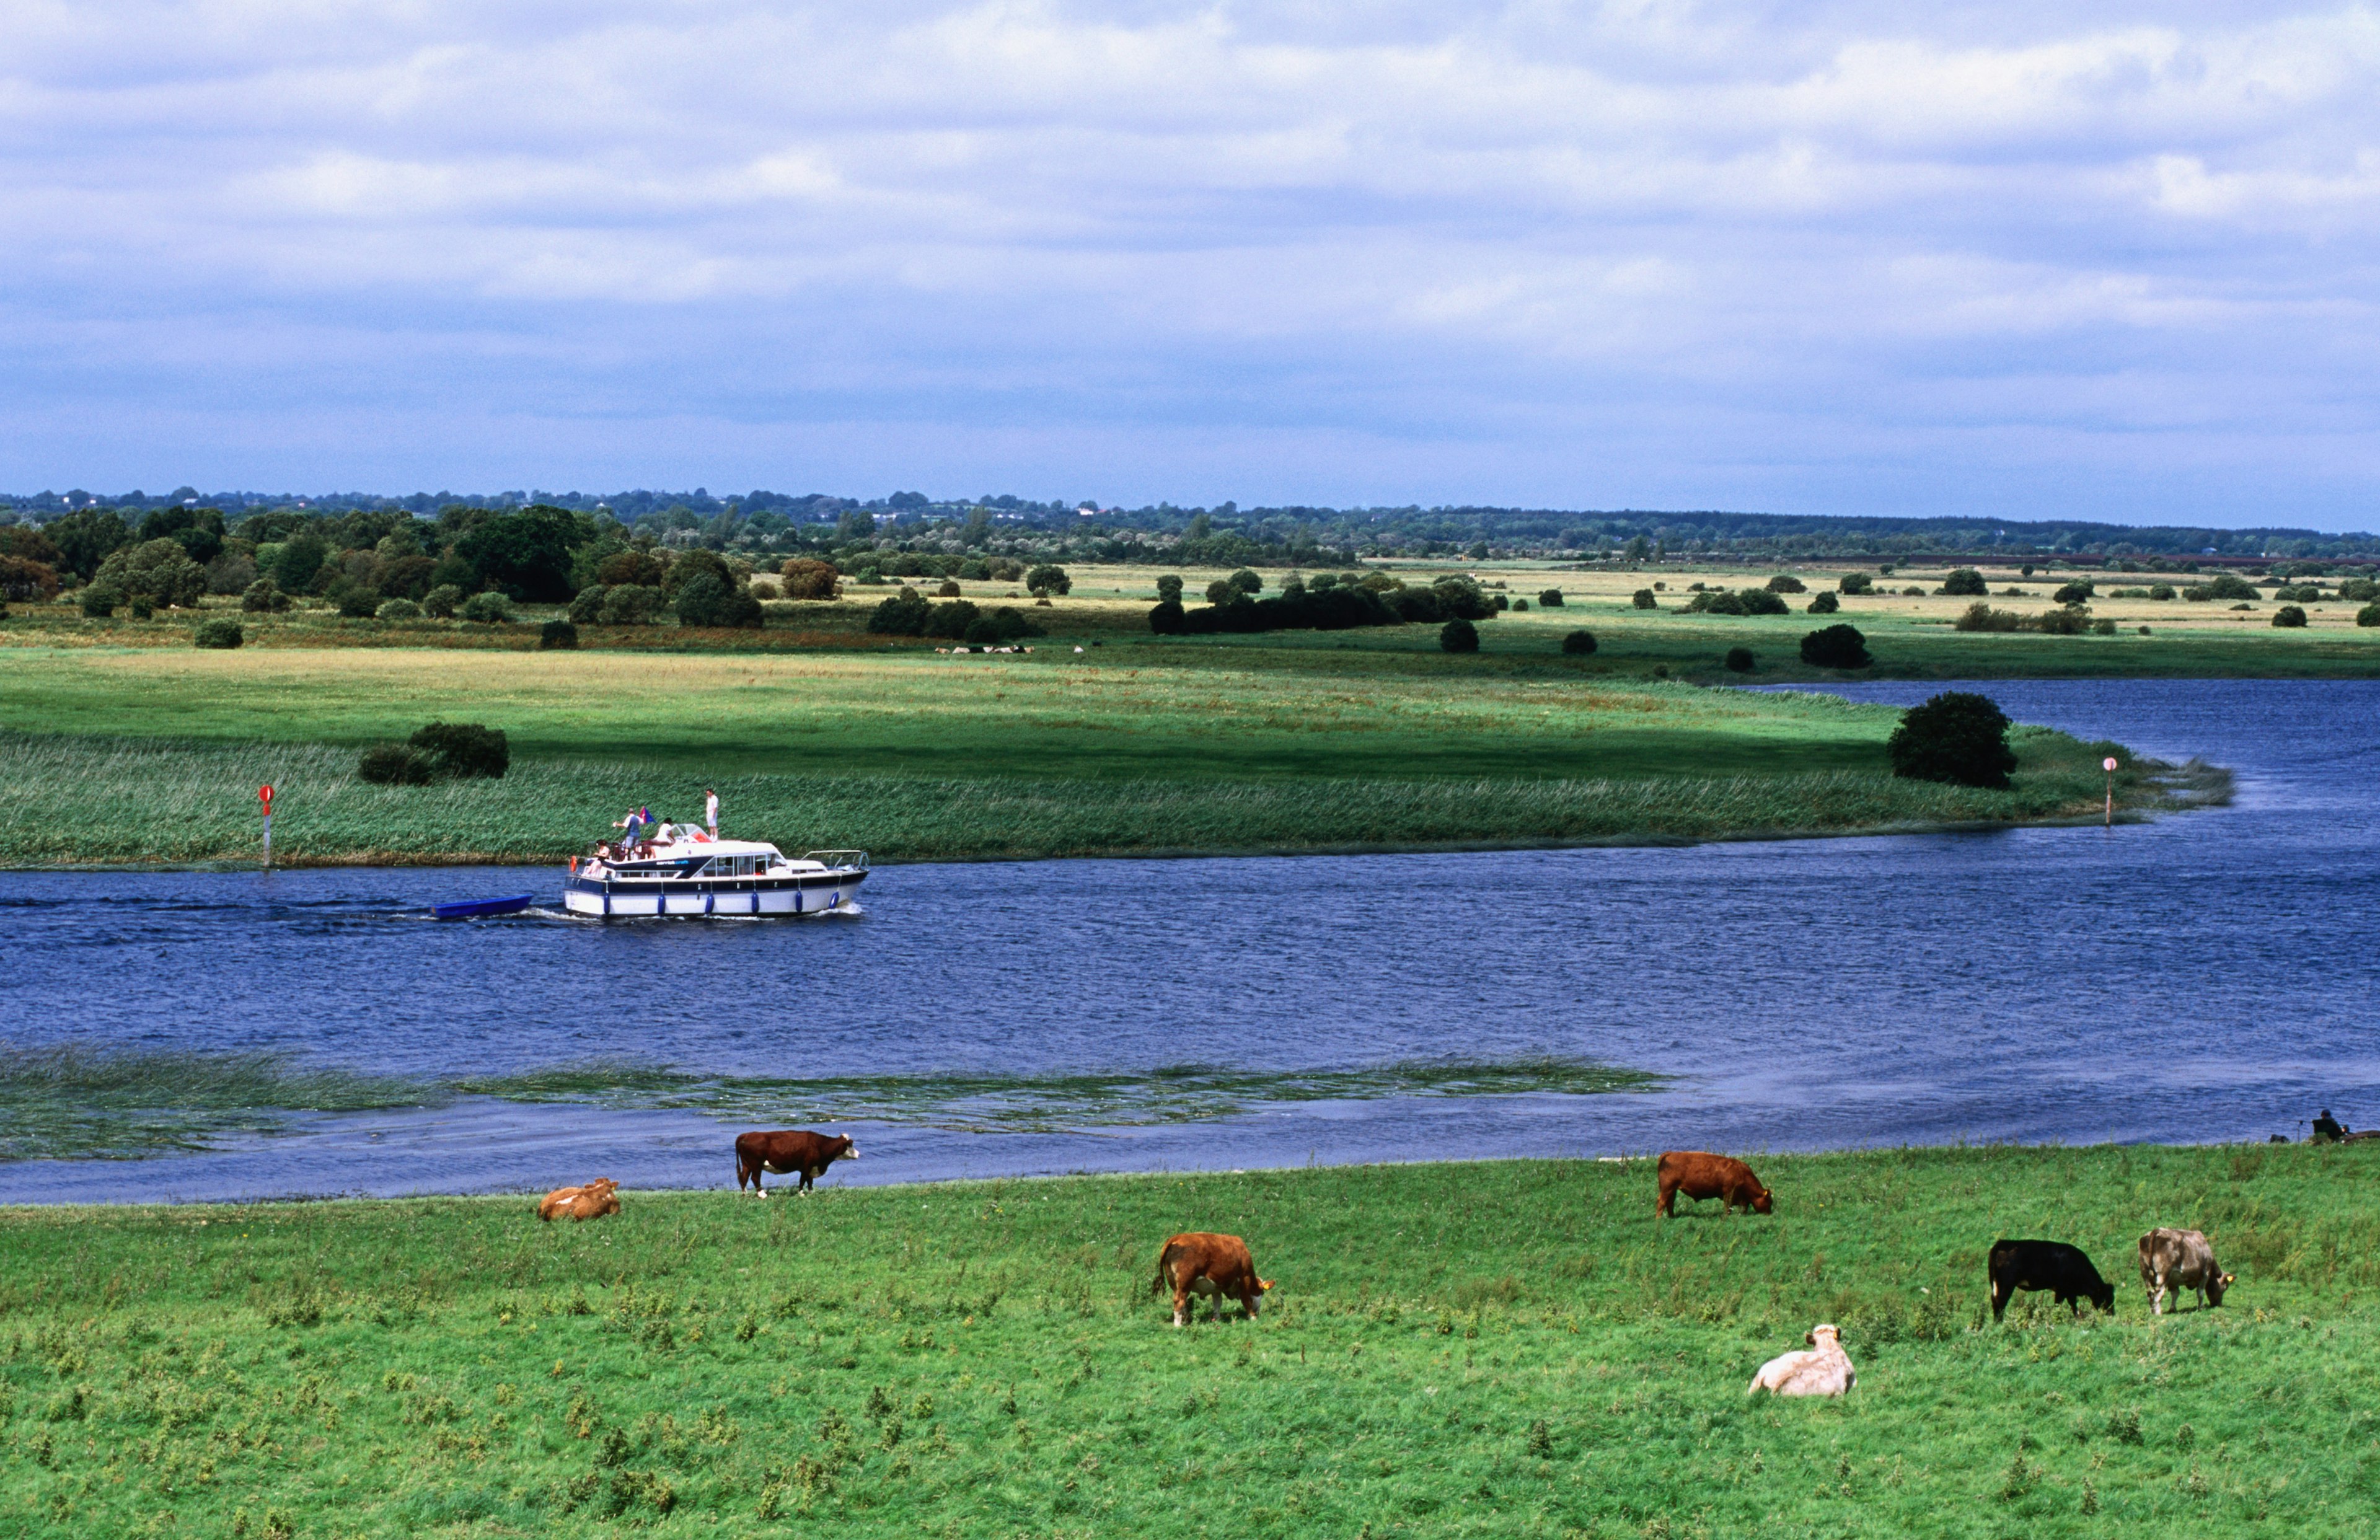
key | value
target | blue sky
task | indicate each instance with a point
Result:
(2023, 260)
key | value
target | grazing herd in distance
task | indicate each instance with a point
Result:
(1199, 1265)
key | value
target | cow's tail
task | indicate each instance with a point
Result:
(1165, 1254)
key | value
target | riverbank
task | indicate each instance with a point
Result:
(1495, 1347)
(920, 758)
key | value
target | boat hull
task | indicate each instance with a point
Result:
(798, 896)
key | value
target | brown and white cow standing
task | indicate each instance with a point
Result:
(1200, 1263)
(788, 1150)
(589, 1201)
(1700, 1174)
(2172, 1260)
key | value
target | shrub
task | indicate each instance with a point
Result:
(1914, 591)
(2160, 591)
(1046, 580)
(394, 765)
(1166, 619)
(2225, 586)
(1644, 599)
(1964, 581)
(263, 598)
(1955, 737)
(2359, 591)
(1717, 601)
(1459, 636)
(2073, 593)
(1836, 646)
(805, 579)
(2368, 615)
(1520, 606)
(1980, 616)
(442, 601)
(1825, 604)
(641, 567)
(486, 608)
(144, 606)
(221, 633)
(2289, 616)
(631, 604)
(160, 571)
(2071, 619)
(1006, 623)
(557, 634)
(949, 590)
(465, 749)
(903, 614)
(1578, 643)
(1785, 582)
(100, 600)
(587, 604)
(1245, 581)
(353, 600)
(1550, 600)
(397, 609)
(706, 600)
(951, 620)
(1855, 582)
(22, 578)
(1739, 660)
(1169, 590)
(973, 570)
(1760, 601)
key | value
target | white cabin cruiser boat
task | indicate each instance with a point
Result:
(693, 874)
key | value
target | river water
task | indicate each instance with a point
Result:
(2205, 976)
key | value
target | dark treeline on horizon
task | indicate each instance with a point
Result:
(1228, 534)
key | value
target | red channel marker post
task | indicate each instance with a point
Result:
(264, 795)
(2108, 765)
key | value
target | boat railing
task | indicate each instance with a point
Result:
(838, 859)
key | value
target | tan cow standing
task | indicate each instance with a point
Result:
(2172, 1260)
(1200, 1263)
(1824, 1370)
(591, 1201)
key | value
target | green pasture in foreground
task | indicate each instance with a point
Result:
(1506, 1349)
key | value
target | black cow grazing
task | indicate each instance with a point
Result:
(2051, 1264)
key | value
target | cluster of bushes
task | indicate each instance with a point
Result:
(2225, 586)
(1331, 601)
(1955, 737)
(1836, 646)
(910, 613)
(1856, 583)
(453, 751)
(873, 567)
(1727, 601)
(2069, 619)
(1825, 604)
(1963, 581)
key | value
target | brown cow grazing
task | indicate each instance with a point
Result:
(1700, 1174)
(2172, 1260)
(788, 1150)
(591, 1201)
(1203, 1264)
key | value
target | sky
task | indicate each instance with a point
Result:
(2018, 260)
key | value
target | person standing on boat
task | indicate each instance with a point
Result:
(710, 810)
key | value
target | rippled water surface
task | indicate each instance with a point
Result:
(2205, 976)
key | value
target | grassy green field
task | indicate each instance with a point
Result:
(1506, 1349)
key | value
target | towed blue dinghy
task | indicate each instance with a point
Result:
(482, 908)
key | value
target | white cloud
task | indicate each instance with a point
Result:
(1482, 235)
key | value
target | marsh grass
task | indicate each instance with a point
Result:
(67, 1100)
(1187, 1093)
(70, 1102)
(159, 800)
(1493, 1348)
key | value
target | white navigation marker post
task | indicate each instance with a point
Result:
(264, 795)
(2108, 765)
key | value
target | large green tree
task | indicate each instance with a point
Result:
(528, 554)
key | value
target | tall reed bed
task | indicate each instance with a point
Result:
(81, 800)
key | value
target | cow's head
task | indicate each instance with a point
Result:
(2104, 1297)
(1765, 1202)
(843, 1149)
(2215, 1285)
(1833, 1338)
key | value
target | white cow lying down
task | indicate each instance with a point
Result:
(1824, 1370)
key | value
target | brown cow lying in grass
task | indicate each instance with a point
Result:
(788, 1149)
(592, 1200)
(1208, 1264)
(1699, 1175)
(1824, 1370)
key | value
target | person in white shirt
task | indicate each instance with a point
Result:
(710, 810)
